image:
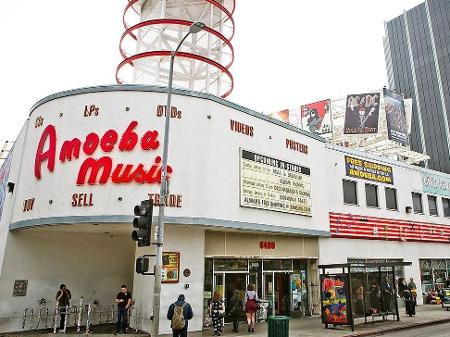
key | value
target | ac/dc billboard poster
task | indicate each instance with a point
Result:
(334, 298)
(361, 113)
(395, 117)
(316, 117)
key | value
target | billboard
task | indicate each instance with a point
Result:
(361, 113)
(316, 117)
(364, 169)
(282, 115)
(395, 117)
(273, 184)
(4, 174)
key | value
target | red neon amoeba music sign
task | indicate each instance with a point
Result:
(102, 169)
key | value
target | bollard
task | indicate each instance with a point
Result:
(55, 319)
(80, 312)
(88, 319)
(25, 317)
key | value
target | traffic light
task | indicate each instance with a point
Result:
(143, 223)
(142, 264)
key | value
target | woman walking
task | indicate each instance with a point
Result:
(250, 307)
(217, 311)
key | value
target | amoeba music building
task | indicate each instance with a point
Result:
(252, 200)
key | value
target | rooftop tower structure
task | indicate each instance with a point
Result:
(153, 29)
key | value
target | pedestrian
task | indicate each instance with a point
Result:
(410, 305)
(413, 289)
(123, 301)
(217, 312)
(63, 297)
(359, 297)
(250, 307)
(235, 309)
(179, 314)
(374, 298)
(401, 286)
(386, 294)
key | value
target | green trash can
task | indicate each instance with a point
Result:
(278, 326)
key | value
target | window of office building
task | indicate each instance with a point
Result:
(350, 196)
(417, 202)
(446, 207)
(372, 195)
(432, 205)
(391, 198)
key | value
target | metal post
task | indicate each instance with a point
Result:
(163, 191)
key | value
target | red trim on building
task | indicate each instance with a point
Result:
(353, 226)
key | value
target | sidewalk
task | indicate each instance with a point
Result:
(311, 326)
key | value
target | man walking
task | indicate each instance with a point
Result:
(179, 314)
(63, 297)
(123, 300)
(386, 293)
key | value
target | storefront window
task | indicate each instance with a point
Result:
(285, 265)
(230, 265)
(433, 274)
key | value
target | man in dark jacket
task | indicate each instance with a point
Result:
(185, 309)
(63, 297)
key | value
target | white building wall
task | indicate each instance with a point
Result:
(5, 216)
(407, 179)
(92, 266)
(189, 241)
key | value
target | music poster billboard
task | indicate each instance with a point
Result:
(361, 113)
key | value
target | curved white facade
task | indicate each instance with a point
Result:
(64, 223)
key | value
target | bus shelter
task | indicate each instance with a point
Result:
(358, 290)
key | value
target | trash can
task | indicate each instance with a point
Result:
(278, 326)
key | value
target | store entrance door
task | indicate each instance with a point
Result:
(233, 281)
(277, 292)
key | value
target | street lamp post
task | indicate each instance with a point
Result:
(194, 28)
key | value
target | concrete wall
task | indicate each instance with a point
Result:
(92, 266)
(189, 241)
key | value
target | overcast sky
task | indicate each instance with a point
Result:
(287, 52)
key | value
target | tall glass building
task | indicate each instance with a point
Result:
(417, 52)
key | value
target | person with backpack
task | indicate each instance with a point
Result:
(179, 314)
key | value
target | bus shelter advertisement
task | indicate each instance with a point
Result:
(363, 169)
(334, 299)
(273, 184)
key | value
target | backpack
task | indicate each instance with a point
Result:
(178, 317)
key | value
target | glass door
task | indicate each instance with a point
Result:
(219, 283)
(269, 291)
(252, 278)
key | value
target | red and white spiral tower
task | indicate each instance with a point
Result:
(153, 29)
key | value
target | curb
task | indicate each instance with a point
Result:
(398, 328)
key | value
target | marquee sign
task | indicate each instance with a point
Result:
(273, 184)
(364, 169)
